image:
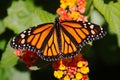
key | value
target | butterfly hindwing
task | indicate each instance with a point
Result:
(51, 51)
(68, 46)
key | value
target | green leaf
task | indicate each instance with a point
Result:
(96, 17)
(44, 16)
(119, 1)
(12, 74)
(23, 14)
(2, 27)
(88, 7)
(8, 58)
(2, 44)
(111, 12)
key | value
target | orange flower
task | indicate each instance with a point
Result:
(71, 10)
(81, 3)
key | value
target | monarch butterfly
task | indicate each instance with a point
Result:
(52, 41)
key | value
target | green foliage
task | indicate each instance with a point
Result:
(2, 27)
(2, 44)
(111, 12)
(96, 17)
(8, 58)
(13, 74)
(23, 14)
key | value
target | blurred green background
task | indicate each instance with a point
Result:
(103, 56)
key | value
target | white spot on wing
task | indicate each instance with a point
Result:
(22, 41)
(89, 23)
(22, 35)
(92, 31)
(91, 26)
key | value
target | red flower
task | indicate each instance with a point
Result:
(28, 57)
(56, 65)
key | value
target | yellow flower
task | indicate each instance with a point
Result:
(78, 76)
(58, 74)
(63, 5)
(72, 3)
(72, 69)
(74, 79)
(74, 15)
(66, 77)
(62, 66)
(80, 64)
(84, 70)
(67, 3)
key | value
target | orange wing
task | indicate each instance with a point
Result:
(41, 40)
(75, 35)
(51, 51)
(53, 41)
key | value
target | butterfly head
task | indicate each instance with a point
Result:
(57, 19)
(57, 23)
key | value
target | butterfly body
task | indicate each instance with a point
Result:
(58, 35)
(52, 41)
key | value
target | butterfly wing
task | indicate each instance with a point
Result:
(51, 51)
(40, 39)
(43, 39)
(75, 35)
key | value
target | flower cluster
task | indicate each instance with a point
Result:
(72, 10)
(71, 69)
(28, 57)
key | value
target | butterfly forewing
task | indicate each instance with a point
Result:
(33, 38)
